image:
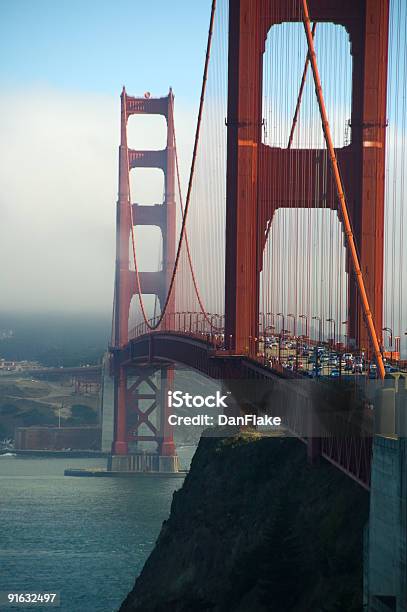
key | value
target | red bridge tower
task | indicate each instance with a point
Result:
(141, 390)
(256, 173)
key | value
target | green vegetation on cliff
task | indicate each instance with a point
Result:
(256, 528)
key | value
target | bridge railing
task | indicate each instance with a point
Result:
(280, 351)
(209, 327)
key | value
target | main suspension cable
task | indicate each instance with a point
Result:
(188, 199)
(301, 90)
(195, 283)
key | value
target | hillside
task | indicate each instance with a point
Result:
(255, 528)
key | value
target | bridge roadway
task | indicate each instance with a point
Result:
(350, 451)
(195, 351)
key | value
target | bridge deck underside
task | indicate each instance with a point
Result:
(350, 452)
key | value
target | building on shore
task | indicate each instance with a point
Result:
(58, 438)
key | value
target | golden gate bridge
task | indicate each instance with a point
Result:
(289, 241)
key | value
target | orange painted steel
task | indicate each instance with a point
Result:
(129, 282)
(341, 195)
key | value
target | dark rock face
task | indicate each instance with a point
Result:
(255, 528)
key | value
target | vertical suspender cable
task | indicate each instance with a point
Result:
(299, 99)
(341, 195)
(188, 199)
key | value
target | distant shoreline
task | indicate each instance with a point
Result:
(55, 453)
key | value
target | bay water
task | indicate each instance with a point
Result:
(86, 538)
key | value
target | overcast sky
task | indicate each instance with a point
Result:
(63, 66)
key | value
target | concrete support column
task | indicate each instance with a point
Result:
(385, 572)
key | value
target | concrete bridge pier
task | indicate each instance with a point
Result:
(107, 404)
(385, 546)
(144, 463)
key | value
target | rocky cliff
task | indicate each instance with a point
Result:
(256, 528)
